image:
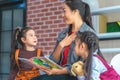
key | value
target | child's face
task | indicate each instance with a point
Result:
(79, 48)
(30, 39)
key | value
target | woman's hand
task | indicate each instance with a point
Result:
(54, 71)
(65, 42)
(51, 71)
(68, 40)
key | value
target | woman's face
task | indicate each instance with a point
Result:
(68, 14)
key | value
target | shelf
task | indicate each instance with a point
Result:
(112, 35)
(110, 50)
(106, 10)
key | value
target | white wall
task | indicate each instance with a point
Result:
(107, 3)
(111, 17)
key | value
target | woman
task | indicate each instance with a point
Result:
(77, 15)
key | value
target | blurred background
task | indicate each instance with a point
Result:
(45, 17)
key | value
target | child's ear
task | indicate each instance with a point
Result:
(83, 45)
(23, 39)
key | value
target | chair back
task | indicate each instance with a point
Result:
(115, 62)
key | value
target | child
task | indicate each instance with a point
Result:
(26, 38)
(87, 45)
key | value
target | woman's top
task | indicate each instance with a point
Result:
(23, 54)
(72, 57)
(65, 55)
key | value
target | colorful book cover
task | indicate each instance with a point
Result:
(40, 61)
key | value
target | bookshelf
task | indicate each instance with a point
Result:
(103, 11)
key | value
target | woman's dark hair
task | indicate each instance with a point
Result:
(84, 10)
(92, 42)
(16, 41)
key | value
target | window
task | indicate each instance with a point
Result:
(106, 19)
(12, 14)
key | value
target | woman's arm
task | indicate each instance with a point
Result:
(59, 71)
(57, 51)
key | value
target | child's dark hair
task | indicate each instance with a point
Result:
(83, 8)
(16, 41)
(92, 42)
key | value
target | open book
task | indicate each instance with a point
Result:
(40, 61)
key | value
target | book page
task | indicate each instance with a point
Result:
(27, 61)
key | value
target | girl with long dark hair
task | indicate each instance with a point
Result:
(86, 46)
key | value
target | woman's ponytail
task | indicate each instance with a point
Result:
(87, 16)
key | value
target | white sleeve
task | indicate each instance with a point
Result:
(97, 68)
(81, 77)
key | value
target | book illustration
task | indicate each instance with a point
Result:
(41, 61)
(44, 61)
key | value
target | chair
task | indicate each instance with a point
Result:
(115, 62)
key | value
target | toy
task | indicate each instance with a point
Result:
(77, 69)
